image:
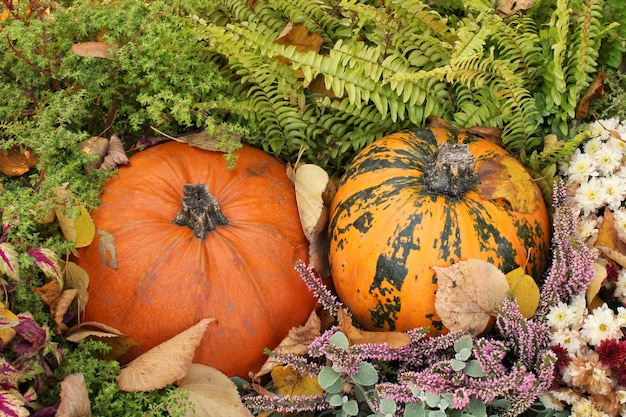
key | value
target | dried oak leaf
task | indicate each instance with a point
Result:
(116, 155)
(468, 294)
(504, 177)
(592, 294)
(15, 161)
(296, 342)
(525, 290)
(164, 364)
(119, 342)
(74, 397)
(93, 49)
(357, 336)
(211, 393)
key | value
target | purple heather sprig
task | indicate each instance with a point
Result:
(326, 298)
(571, 269)
(288, 404)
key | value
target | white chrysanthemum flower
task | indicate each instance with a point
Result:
(617, 144)
(581, 167)
(620, 286)
(579, 306)
(620, 223)
(614, 190)
(568, 339)
(611, 124)
(596, 130)
(584, 408)
(594, 144)
(607, 159)
(588, 228)
(562, 316)
(621, 315)
(589, 197)
(601, 324)
(550, 402)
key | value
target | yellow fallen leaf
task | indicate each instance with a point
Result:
(15, 161)
(163, 364)
(506, 178)
(289, 383)
(310, 182)
(525, 290)
(76, 223)
(8, 320)
(468, 294)
(77, 278)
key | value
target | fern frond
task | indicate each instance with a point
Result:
(471, 39)
(557, 36)
(317, 15)
(419, 17)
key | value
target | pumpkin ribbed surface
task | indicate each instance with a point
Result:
(166, 280)
(387, 229)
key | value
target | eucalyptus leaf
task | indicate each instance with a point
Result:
(432, 400)
(328, 379)
(477, 408)
(367, 375)
(457, 365)
(414, 410)
(335, 400)
(340, 339)
(388, 406)
(465, 343)
(474, 369)
(350, 408)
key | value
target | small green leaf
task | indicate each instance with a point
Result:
(350, 408)
(466, 343)
(477, 408)
(473, 369)
(328, 379)
(367, 374)
(432, 400)
(415, 410)
(335, 400)
(340, 339)
(457, 365)
(463, 354)
(387, 406)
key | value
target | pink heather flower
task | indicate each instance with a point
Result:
(571, 268)
(326, 298)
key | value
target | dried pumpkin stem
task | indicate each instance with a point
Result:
(200, 210)
(451, 171)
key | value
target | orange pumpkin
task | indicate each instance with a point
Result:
(403, 207)
(229, 254)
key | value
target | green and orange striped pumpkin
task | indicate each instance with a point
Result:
(389, 224)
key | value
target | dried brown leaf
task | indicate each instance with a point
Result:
(15, 162)
(594, 91)
(296, 342)
(77, 278)
(95, 145)
(74, 397)
(92, 49)
(106, 248)
(165, 363)
(505, 177)
(468, 294)
(116, 155)
(119, 343)
(59, 308)
(357, 336)
(507, 8)
(49, 292)
(203, 140)
(211, 393)
(299, 36)
(608, 241)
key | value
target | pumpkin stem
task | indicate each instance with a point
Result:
(201, 211)
(451, 171)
